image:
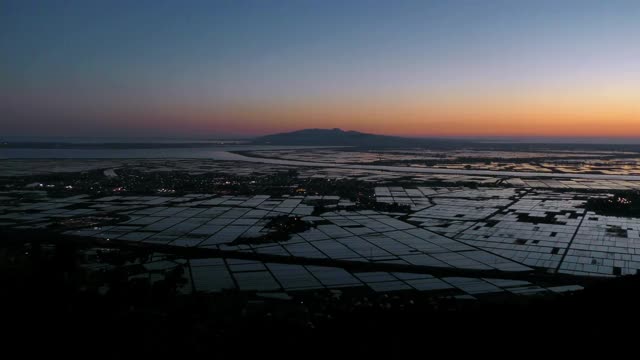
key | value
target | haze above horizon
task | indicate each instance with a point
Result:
(247, 68)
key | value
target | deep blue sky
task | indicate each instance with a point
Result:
(246, 67)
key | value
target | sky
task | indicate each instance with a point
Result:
(246, 68)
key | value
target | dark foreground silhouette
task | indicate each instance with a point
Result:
(52, 305)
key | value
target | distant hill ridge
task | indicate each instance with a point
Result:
(335, 137)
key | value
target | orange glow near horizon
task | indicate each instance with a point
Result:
(557, 115)
(606, 113)
(417, 68)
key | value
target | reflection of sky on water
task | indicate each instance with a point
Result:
(223, 153)
(215, 153)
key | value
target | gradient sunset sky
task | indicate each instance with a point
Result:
(241, 68)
